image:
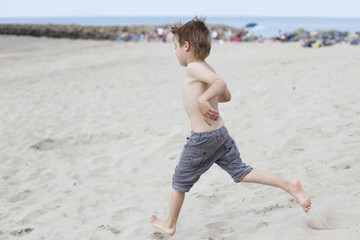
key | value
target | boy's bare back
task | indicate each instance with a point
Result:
(194, 86)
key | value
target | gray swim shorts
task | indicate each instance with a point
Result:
(201, 151)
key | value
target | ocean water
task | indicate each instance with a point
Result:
(267, 26)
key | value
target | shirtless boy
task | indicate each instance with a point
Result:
(209, 142)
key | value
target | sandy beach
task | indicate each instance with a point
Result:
(91, 131)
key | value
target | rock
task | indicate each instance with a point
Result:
(355, 42)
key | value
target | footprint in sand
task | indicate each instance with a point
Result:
(317, 221)
(21, 232)
(331, 219)
(19, 196)
(84, 139)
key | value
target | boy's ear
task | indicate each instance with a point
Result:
(187, 46)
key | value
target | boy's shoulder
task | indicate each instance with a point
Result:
(201, 71)
(199, 66)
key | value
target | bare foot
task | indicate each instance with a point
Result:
(298, 192)
(162, 225)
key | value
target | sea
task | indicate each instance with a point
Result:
(265, 26)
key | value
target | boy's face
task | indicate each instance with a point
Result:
(180, 52)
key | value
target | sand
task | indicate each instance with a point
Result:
(91, 132)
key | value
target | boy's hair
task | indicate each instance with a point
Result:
(197, 34)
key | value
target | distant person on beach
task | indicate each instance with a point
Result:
(209, 141)
(305, 43)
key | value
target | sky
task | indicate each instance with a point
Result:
(259, 8)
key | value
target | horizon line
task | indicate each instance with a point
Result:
(191, 16)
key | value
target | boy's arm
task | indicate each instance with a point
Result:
(226, 96)
(216, 89)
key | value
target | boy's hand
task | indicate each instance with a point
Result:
(208, 112)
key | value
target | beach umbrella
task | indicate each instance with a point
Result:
(254, 27)
(251, 25)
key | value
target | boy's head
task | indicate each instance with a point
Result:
(196, 34)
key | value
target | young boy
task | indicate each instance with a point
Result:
(209, 142)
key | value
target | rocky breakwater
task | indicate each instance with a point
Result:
(96, 32)
(70, 31)
(323, 38)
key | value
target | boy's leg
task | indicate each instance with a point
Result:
(169, 225)
(293, 187)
